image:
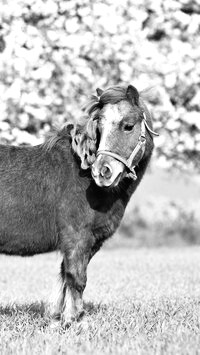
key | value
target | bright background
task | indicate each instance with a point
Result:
(143, 289)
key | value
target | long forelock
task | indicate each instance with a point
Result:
(94, 105)
(112, 95)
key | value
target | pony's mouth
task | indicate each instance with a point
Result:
(116, 181)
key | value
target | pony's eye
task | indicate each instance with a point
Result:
(128, 127)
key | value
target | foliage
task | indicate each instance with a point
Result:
(55, 52)
(162, 222)
(150, 307)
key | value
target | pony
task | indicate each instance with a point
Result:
(70, 193)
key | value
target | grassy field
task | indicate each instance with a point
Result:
(138, 301)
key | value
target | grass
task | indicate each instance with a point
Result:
(138, 301)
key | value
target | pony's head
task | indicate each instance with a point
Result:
(115, 136)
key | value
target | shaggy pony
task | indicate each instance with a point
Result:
(49, 200)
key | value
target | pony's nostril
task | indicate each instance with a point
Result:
(106, 172)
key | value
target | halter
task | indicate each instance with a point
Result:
(140, 146)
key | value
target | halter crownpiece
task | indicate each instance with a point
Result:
(139, 146)
(147, 126)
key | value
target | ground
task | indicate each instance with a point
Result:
(138, 301)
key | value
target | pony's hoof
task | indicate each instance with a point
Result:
(67, 321)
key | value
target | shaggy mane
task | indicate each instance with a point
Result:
(58, 134)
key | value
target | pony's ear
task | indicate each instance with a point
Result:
(84, 143)
(99, 91)
(132, 95)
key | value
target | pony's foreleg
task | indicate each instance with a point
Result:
(75, 274)
(73, 306)
(57, 297)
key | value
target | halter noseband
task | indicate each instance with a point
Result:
(140, 146)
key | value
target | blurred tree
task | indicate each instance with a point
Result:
(54, 53)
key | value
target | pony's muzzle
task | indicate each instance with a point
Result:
(106, 171)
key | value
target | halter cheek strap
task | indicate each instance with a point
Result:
(140, 146)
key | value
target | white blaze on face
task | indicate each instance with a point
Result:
(109, 121)
(111, 117)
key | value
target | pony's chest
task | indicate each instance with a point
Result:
(105, 224)
(90, 210)
(84, 219)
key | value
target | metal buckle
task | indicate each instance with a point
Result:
(132, 174)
